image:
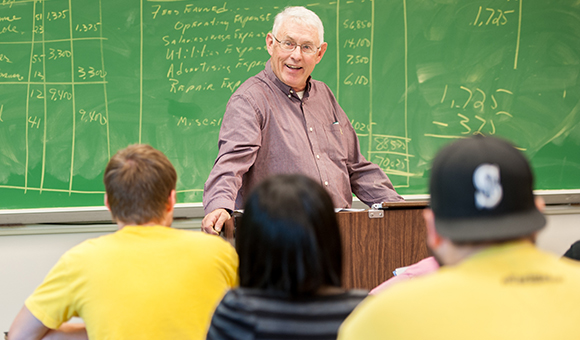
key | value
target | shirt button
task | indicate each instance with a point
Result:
(310, 129)
(326, 183)
(289, 95)
(317, 156)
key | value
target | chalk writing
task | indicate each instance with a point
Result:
(356, 59)
(58, 53)
(250, 65)
(92, 116)
(176, 87)
(10, 19)
(88, 27)
(8, 3)
(52, 15)
(9, 29)
(494, 17)
(361, 127)
(231, 85)
(38, 29)
(356, 24)
(480, 112)
(87, 73)
(4, 58)
(184, 121)
(35, 93)
(59, 94)
(201, 67)
(243, 19)
(38, 74)
(355, 43)
(184, 27)
(389, 162)
(8, 75)
(351, 80)
(158, 10)
(34, 121)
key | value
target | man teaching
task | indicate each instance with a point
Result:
(283, 121)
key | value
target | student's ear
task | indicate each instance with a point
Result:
(107, 202)
(434, 240)
(540, 203)
(171, 201)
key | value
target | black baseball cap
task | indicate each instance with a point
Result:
(482, 190)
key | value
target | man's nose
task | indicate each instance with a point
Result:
(297, 53)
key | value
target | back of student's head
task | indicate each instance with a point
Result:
(289, 240)
(138, 182)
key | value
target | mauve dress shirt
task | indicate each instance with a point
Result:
(267, 129)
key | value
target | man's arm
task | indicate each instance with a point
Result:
(367, 180)
(240, 140)
(27, 327)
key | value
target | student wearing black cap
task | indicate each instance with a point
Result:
(494, 283)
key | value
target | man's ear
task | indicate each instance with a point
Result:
(320, 52)
(434, 240)
(270, 43)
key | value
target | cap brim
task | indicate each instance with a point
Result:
(506, 227)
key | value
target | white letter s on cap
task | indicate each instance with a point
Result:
(488, 192)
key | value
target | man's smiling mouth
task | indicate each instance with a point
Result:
(293, 67)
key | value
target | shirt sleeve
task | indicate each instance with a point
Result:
(52, 302)
(367, 180)
(239, 142)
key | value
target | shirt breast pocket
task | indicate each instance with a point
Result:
(336, 147)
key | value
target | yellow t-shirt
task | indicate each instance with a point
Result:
(513, 291)
(139, 283)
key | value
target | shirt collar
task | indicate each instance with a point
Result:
(287, 90)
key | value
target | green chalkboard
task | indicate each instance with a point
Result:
(80, 79)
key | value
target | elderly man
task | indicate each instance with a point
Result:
(283, 121)
(145, 281)
(494, 283)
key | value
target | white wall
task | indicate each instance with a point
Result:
(26, 259)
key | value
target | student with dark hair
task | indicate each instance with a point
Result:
(146, 280)
(290, 267)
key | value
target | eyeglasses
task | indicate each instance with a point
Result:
(290, 46)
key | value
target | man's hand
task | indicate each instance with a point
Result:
(213, 222)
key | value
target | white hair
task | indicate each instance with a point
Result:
(299, 15)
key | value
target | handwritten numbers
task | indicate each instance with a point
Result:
(59, 94)
(356, 80)
(93, 116)
(356, 24)
(36, 93)
(495, 17)
(478, 109)
(34, 121)
(87, 27)
(58, 53)
(91, 72)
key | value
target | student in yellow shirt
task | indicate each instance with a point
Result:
(494, 283)
(145, 281)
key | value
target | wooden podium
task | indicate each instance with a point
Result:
(374, 246)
